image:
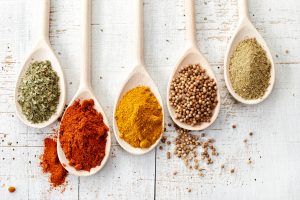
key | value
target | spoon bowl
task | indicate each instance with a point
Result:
(192, 56)
(85, 92)
(42, 52)
(246, 30)
(138, 77)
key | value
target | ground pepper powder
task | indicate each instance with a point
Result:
(50, 163)
(250, 69)
(83, 135)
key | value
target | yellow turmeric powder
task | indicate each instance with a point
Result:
(139, 117)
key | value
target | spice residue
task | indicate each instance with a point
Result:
(250, 69)
(11, 189)
(139, 117)
(187, 148)
(83, 135)
(39, 92)
(193, 95)
(50, 163)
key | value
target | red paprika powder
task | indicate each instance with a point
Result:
(83, 135)
(50, 163)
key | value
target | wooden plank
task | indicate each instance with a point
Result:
(20, 168)
(274, 148)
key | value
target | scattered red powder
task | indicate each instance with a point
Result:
(50, 163)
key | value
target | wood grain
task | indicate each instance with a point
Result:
(274, 148)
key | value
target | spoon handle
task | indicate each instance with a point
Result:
(243, 9)
(45, 19)
(190, 21)
(86, 44)
(139, 32)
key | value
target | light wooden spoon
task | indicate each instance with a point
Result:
(246, 30)
(192, 56)
(138, 77)
(85, 92)
(42, 52)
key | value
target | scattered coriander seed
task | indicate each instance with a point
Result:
(187, 146)
(232, 171)
(175, 173)
(251, 133)
(222, 166)
(189, 190)
(161, 148)
(211, 140)
(233, 125)
(163, 139)
(168, 155)
(245, 140)
(193, 95)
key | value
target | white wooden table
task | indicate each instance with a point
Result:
(274, 147)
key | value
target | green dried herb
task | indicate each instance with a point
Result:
(249, 69)
(38, 92)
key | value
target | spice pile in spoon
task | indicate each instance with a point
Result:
(83, 135)
(39, 92)
(250, 69)
(193, 95)
(139, 117)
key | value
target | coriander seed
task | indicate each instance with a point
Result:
(193, 95)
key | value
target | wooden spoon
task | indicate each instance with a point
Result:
(85, 92)
(138, 77)
(246, 30)
(42, 52)
(192, 56)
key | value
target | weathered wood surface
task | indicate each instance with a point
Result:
(274, 148)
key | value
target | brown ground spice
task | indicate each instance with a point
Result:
(50, 163)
